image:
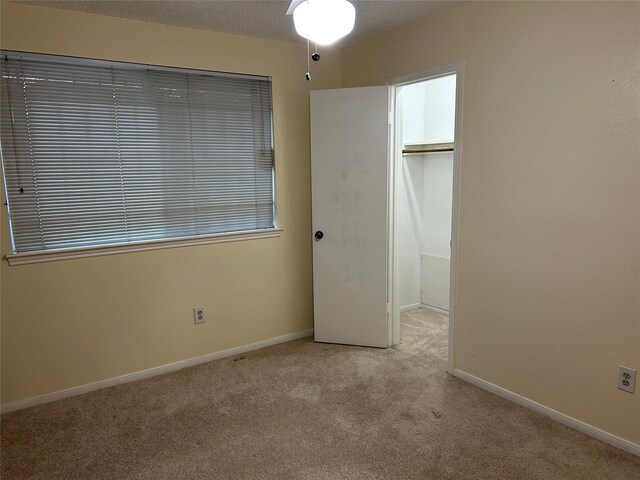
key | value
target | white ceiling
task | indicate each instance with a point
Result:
(256, 18)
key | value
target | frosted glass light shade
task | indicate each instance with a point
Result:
(324, 21)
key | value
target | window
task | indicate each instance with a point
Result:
(102, 154)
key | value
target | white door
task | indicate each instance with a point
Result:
(349, 135)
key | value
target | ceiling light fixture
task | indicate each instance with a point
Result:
(322, 22)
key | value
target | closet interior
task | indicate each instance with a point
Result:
(427, 116)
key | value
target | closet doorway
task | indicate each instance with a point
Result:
(423, 217)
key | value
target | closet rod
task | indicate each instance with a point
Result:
(427, 150)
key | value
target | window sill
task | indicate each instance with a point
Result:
(71, 253)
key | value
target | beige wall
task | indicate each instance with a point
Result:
(73, 322)
(548, 294)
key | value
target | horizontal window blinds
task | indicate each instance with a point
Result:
(102, 154)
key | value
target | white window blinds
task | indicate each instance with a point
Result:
(107, 154)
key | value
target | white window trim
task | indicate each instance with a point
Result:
(83, 252)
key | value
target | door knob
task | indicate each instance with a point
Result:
(318, 235)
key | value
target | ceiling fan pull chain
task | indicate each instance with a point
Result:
(308, 75)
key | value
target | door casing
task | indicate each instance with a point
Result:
(393, 184)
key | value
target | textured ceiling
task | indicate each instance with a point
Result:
(256, 18)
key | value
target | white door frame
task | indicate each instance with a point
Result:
(395, 164)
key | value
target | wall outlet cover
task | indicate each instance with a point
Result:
(626, 379)
(199, 315)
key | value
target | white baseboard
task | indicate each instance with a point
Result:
(435, 309)
(152, 372)
(416, 306)
(571, 422)
(408, 308)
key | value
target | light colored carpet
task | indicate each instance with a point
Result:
(304, 410)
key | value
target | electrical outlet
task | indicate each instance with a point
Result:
(199, 315)
(626, 379)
